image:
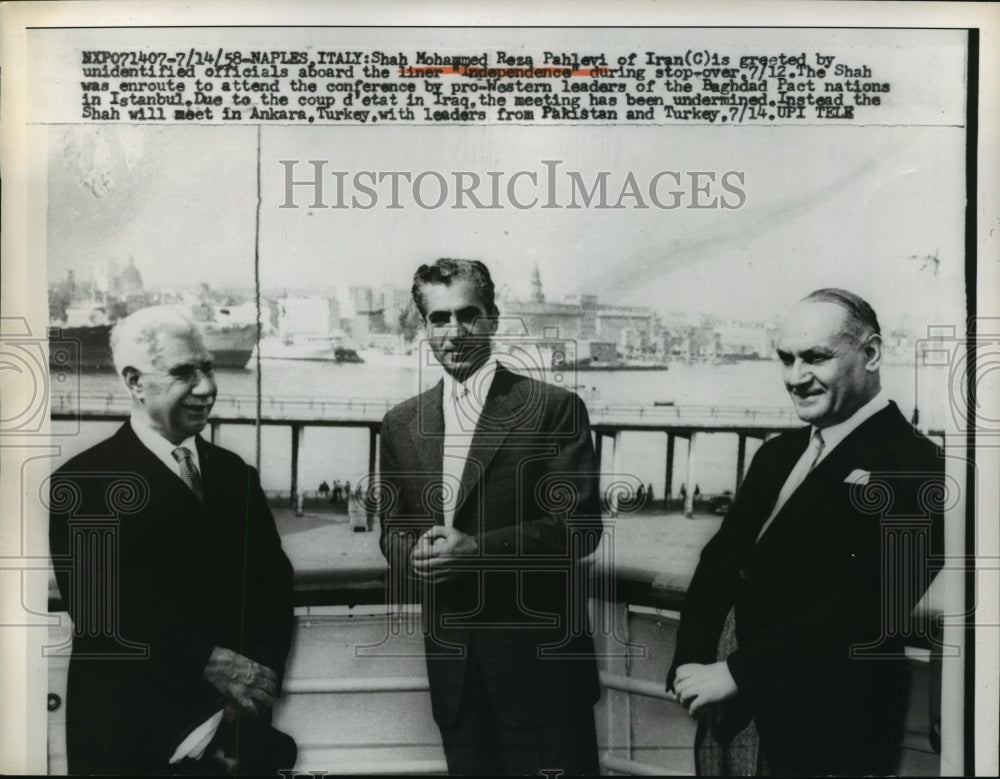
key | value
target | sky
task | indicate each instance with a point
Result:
(857, 207)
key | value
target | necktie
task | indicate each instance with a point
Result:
(189, 474)
(463, 400)
(798, 475)
(458, 428)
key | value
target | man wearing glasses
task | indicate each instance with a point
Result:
(170, 566)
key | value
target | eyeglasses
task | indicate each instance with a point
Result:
(188, 373)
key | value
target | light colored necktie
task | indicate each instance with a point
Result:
(189, 473)
(462, 400)
(798, 475)
(458, 435)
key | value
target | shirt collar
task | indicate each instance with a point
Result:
(160, 446)
(478, 384)
(834, 434)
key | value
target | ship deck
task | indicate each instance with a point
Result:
(355, 659)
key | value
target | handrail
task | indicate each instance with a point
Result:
(635, 767)
(366, 586)
(305, 409)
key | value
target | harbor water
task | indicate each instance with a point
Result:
(329, 454)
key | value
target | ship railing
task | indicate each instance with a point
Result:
(357, 656)
(634, 613)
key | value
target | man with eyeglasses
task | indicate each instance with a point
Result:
(171, 568)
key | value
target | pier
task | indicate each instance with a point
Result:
(608, 421)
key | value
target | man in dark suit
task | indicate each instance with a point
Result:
(790, 646)
(491, 497)
(169, 563)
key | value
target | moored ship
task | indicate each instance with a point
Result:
(600, 356)
(81, 342)
(82, 315)
(308, 346)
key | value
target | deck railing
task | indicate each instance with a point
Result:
(356, 693)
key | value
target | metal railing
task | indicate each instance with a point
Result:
(371, 410)
(632, 736)
(635, 593)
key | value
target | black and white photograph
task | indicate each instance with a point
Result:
(398, 391)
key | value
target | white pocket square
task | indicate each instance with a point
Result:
(858, 476)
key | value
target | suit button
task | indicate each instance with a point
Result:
(744, 574)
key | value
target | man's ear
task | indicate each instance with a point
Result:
(873, 352)
(133, 380)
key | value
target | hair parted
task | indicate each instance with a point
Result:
(445, 271)
(861, 320)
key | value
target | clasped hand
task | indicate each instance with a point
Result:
(697, 685)
(243, 683)
(434, 555)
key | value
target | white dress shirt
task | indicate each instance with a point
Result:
(834, 434)
(831, 436)
(462, 404)
(161, 447)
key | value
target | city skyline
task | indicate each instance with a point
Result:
(522, 294)
(871, 222)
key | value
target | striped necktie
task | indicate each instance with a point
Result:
(189, 473)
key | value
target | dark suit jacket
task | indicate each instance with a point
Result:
(817, 584)
(529, 497)
(154, 580)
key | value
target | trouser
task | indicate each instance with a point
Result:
(480, 743)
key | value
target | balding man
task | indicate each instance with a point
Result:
(790, 646)
(171, 568)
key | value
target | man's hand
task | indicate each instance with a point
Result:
(434, 555)
(241, 681)
(697, 685)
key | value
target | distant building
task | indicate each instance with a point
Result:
(129, 281)
(306, 315)
(633, 328)
(744, 340)
(394, 301)
(362, 298)
(377, 311)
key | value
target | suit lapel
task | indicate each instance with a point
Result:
(152, 468)
(427, 437)
(427, 430)
(209, 466)
(856, 449)
(765, 491)
(504, 399)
